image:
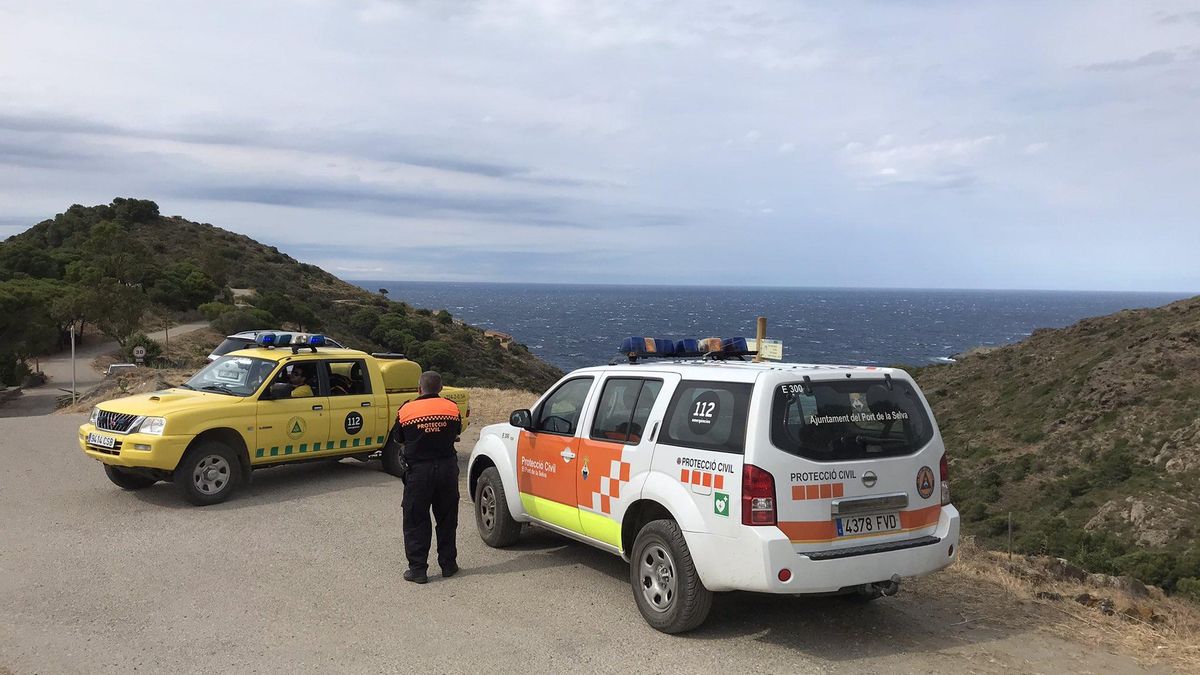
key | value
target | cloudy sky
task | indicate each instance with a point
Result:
(934, 144)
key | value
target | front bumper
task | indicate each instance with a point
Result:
(136, 450)
(752, 561)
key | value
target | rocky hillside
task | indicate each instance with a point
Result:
(1090, 437)
(94, 264)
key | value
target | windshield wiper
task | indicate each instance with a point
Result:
(219, 388)
(878, 440)
(185, 385)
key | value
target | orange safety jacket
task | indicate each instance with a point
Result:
(428, 424)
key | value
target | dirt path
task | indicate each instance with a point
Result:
(42, 400)
(300, 573)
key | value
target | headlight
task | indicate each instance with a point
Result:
(95, 416)
(153, 425)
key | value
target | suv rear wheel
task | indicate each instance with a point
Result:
(127, 480)
(208, 474)
(668, 592)
(492, 517)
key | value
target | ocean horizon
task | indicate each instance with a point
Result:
(577, 325)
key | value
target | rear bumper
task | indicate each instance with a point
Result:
(752, 560)
(137, 450)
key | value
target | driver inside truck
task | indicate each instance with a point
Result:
(299, 381)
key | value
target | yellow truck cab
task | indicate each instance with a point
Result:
(290, 399)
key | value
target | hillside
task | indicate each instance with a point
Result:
(1090, 436)
(121, 266)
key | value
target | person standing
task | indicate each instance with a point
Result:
(429, 425)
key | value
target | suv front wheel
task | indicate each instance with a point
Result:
(208, 474)
(668, 592)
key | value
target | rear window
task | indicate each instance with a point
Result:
(709, 416)
(849, 419)
(231, 345)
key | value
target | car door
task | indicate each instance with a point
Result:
(546, 455)
(291, 427)
(352, 418)
(616, 453)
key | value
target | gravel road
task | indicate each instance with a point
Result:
(300, 573)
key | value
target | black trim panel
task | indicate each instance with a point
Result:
(868, 549)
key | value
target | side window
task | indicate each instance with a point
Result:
(560, 412)
(709, 415)
(301, 378)
(624, 408)
(347, 378)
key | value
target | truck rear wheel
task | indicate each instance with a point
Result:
(390, 455)
(666, 587)
(208, 474)
(492, 517)
(127, 480)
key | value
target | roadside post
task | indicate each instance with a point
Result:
(758, 339)
(72, 363)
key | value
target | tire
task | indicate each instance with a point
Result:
(492, 517)
(390, 455)
(208, 474)
(666, 588)
(127, 480)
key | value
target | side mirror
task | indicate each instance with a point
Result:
(279, 390)
(521, 419)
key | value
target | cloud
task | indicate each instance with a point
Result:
(937, 164)
(1159, 57)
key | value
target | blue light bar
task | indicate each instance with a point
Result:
(641, 346)
(266, 339)
(316, 340)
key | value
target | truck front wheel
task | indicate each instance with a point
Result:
(127, 480)
(668, 592)
(208, 474)
(492, 517)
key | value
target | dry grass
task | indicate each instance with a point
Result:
(1171, 637)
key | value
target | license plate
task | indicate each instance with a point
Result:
(102, 441)
(880, 522)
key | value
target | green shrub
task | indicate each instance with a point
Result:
(153, 349)
(444, 317)
(211, 310)
(1189, 588)
(243, 318)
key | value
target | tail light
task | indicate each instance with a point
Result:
(758, 496)
(944, 470)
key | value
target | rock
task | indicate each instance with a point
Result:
(1047, 595)
(1138, 513)
(1059, 568)
(1106, 607)
(1099, 581)
(1133, 587)
(1154, 538)
(1176, 465)
(1139, 612)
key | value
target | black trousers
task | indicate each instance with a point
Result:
(431, 486)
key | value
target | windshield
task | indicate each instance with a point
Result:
(849, 419)
(234, 375)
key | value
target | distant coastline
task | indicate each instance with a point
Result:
(575, 325)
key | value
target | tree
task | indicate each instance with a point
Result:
(117, 309)
(383, 292)
(182, 286)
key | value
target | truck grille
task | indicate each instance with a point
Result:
(118, 422)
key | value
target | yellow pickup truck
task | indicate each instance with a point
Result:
(290, 399)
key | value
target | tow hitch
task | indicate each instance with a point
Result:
(878, 588)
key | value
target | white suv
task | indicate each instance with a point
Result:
(718, 475)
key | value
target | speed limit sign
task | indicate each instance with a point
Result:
(139, 352)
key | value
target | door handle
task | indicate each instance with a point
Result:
(567, 454)
(318, 407)
(365, 404)
(653, 431)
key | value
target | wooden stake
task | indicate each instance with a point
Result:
(758, 340)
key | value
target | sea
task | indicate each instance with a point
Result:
(573, 326)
